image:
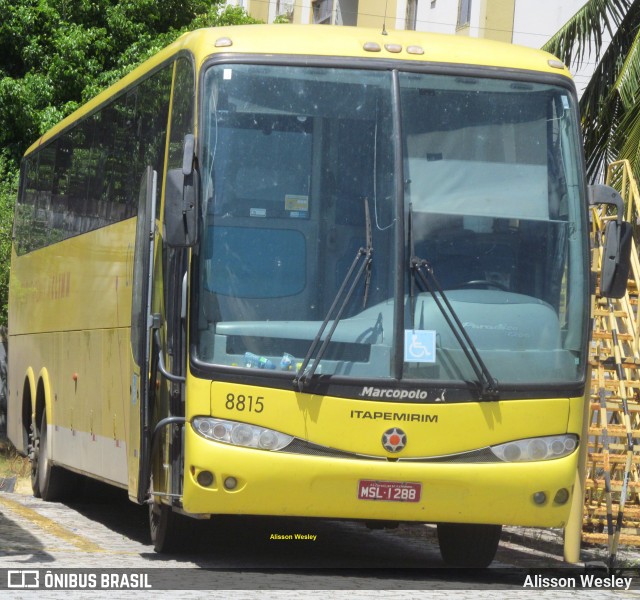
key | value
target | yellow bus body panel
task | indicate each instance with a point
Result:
(357, 425)
(69, 325)
(288, 484)
(294, 484)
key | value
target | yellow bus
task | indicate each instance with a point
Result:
(290, 270)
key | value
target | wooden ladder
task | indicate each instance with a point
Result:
(612, 497)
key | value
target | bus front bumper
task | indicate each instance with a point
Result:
(257, 482)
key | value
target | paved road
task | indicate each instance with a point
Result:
(105, 533)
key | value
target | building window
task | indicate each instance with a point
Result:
(322, 11)
(464, 13)
(284, 12)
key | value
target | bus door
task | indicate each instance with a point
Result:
(141, 323)
(156, 323)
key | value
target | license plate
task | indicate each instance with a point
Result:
(389, 491)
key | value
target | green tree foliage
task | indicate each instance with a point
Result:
(8, 185)
(57, 54)
(610, 103)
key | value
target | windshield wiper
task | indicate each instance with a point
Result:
(488, 385)
(419, 266)
(338, 306)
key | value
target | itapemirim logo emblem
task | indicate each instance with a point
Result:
(394, 440)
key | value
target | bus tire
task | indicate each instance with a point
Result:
(166, 528)
(468, 545)
(34, 455)
(51, 483)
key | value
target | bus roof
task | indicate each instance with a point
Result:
(327, 41)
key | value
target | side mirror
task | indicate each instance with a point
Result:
(616, 258)
(181, 201)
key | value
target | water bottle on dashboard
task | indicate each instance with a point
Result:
(257, 362)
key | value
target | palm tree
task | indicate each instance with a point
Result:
(610, 104)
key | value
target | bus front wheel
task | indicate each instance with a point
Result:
(167, 528)
(468, 545)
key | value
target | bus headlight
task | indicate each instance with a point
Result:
(534, 449)
(240, 434)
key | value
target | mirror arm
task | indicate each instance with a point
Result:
(161, 366)
(604, 194)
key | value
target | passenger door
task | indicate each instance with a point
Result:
(141, 322)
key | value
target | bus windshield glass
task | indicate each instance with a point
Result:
(493, 179)
(301, 170)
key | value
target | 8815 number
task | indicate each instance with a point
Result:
(242, 403)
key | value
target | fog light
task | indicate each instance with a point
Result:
(562, 495)
(205, 478)
(230, 483)
(539, 498)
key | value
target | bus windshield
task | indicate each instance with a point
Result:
(301, 168)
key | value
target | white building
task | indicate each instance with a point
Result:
(524, 22)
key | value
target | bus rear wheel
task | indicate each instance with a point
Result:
(468, 545)
(34, 457)
(49, 482)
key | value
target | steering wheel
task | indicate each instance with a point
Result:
(486, 283)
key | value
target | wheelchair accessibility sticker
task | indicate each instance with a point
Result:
(419, 345)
